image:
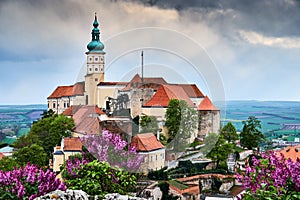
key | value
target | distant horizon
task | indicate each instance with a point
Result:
(231, 100)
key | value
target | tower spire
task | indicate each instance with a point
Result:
(95, 44)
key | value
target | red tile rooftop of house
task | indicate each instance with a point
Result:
(167, 92)
(88, 110)
(67, 91)
(206, 104)
(146, 142)
(291, 152)
(72, 144)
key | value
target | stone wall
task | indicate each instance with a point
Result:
(209, 122)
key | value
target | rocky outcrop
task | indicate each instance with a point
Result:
(65, 195)
(81, 195)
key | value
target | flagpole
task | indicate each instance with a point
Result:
(142, 57)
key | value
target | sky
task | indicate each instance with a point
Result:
(233, 50)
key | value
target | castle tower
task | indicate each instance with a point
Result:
(209, 118)
(94, 66)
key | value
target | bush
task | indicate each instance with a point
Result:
(28, 182)
(271, 177)
(161, 174)
(98, 178)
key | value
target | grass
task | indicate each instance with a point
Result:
(238, 149)
(178, 184)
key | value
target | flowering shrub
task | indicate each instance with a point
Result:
(28, 182)
(272, 177)
(72, 165)
(113, 149)
(99, 178)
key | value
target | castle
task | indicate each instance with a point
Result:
(141, 96)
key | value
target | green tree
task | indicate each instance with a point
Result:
(34, 154)
(48, 113)
(229, 133)
(8, 164)
(47, 132)
(220, 150)
(251, 136)
(173, 117)
(149, 124)
(181, 121)
(27, 140)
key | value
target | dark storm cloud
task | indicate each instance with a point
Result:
(277, 18)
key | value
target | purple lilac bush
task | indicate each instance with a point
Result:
(113, 149)
(272, 177)
(28, 182)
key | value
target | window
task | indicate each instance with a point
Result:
(90, 59)
(96, 59)
(96, 69)
(54, 105)
(91, 69)
(156, 157)
(151, 158)
(96, 79)
(101, 58)
(65, 105)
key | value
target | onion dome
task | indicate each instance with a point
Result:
(95, 45)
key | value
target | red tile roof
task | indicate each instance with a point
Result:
(167, 92)
(190, 190)
(291, 152)
(71, 110)
(89, 125)
(153, 82)
(91, 109)
(146, 142)
(67, 91)
(206, 104)
(191, 90)
(72, 144)
(86, 119)
(205, 176)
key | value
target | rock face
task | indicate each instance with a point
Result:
(65, 195)
(81, 195)
(121, 197)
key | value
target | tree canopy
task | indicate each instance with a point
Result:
(45, 133)
(220, 151)
(181, 121)
(33, 154)
(251, 136)
(149, 124)
(229, 133)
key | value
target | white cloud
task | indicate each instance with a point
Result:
(260, 39)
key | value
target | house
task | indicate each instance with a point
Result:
(64, 96)
(7, 151)
(292, 152)
(86, 119)
(68, 147)
(147, 145)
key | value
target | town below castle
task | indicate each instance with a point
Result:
(144, 137)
